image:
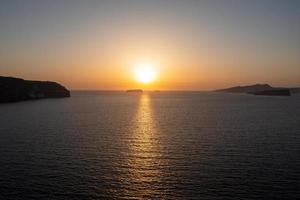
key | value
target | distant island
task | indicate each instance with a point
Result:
(17, 89)
(135, 90)
(261, 89)
(277, 92)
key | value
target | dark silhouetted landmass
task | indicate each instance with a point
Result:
(135, 90)
(247, 89)
(16, 89)
(261, 89)
(294, 90)
(276, 92)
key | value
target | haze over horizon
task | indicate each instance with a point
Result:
(192, 45)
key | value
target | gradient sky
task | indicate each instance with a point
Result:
(194, 45)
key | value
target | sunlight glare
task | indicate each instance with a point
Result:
(145, 73)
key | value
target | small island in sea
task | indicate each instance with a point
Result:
(261, 89)
(17, 89)
(135, 90)
(275, 92)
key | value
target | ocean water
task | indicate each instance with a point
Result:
(163, 145)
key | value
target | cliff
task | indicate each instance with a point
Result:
(16, 89)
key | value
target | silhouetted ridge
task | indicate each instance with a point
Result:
(247, 89)
(261, 89)
(16, 89)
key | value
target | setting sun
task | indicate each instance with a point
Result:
(149, 99)
(145, 73)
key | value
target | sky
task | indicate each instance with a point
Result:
(191, 44)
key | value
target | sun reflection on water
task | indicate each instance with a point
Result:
(145, 165)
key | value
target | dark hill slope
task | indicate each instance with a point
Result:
(16, 89)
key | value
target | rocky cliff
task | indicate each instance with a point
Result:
(16, 89)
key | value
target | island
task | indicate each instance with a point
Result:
(277, 92)
(261, 89)
(135, 90)
(17, 89)
(247, 88)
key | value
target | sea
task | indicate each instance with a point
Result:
(151, 145)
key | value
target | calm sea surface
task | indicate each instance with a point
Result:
(164, 145)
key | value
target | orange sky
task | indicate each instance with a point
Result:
(192, 45)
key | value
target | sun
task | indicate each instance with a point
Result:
(145, 73)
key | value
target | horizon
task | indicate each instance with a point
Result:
(154, 90)
(149, 99)
(180, 46)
